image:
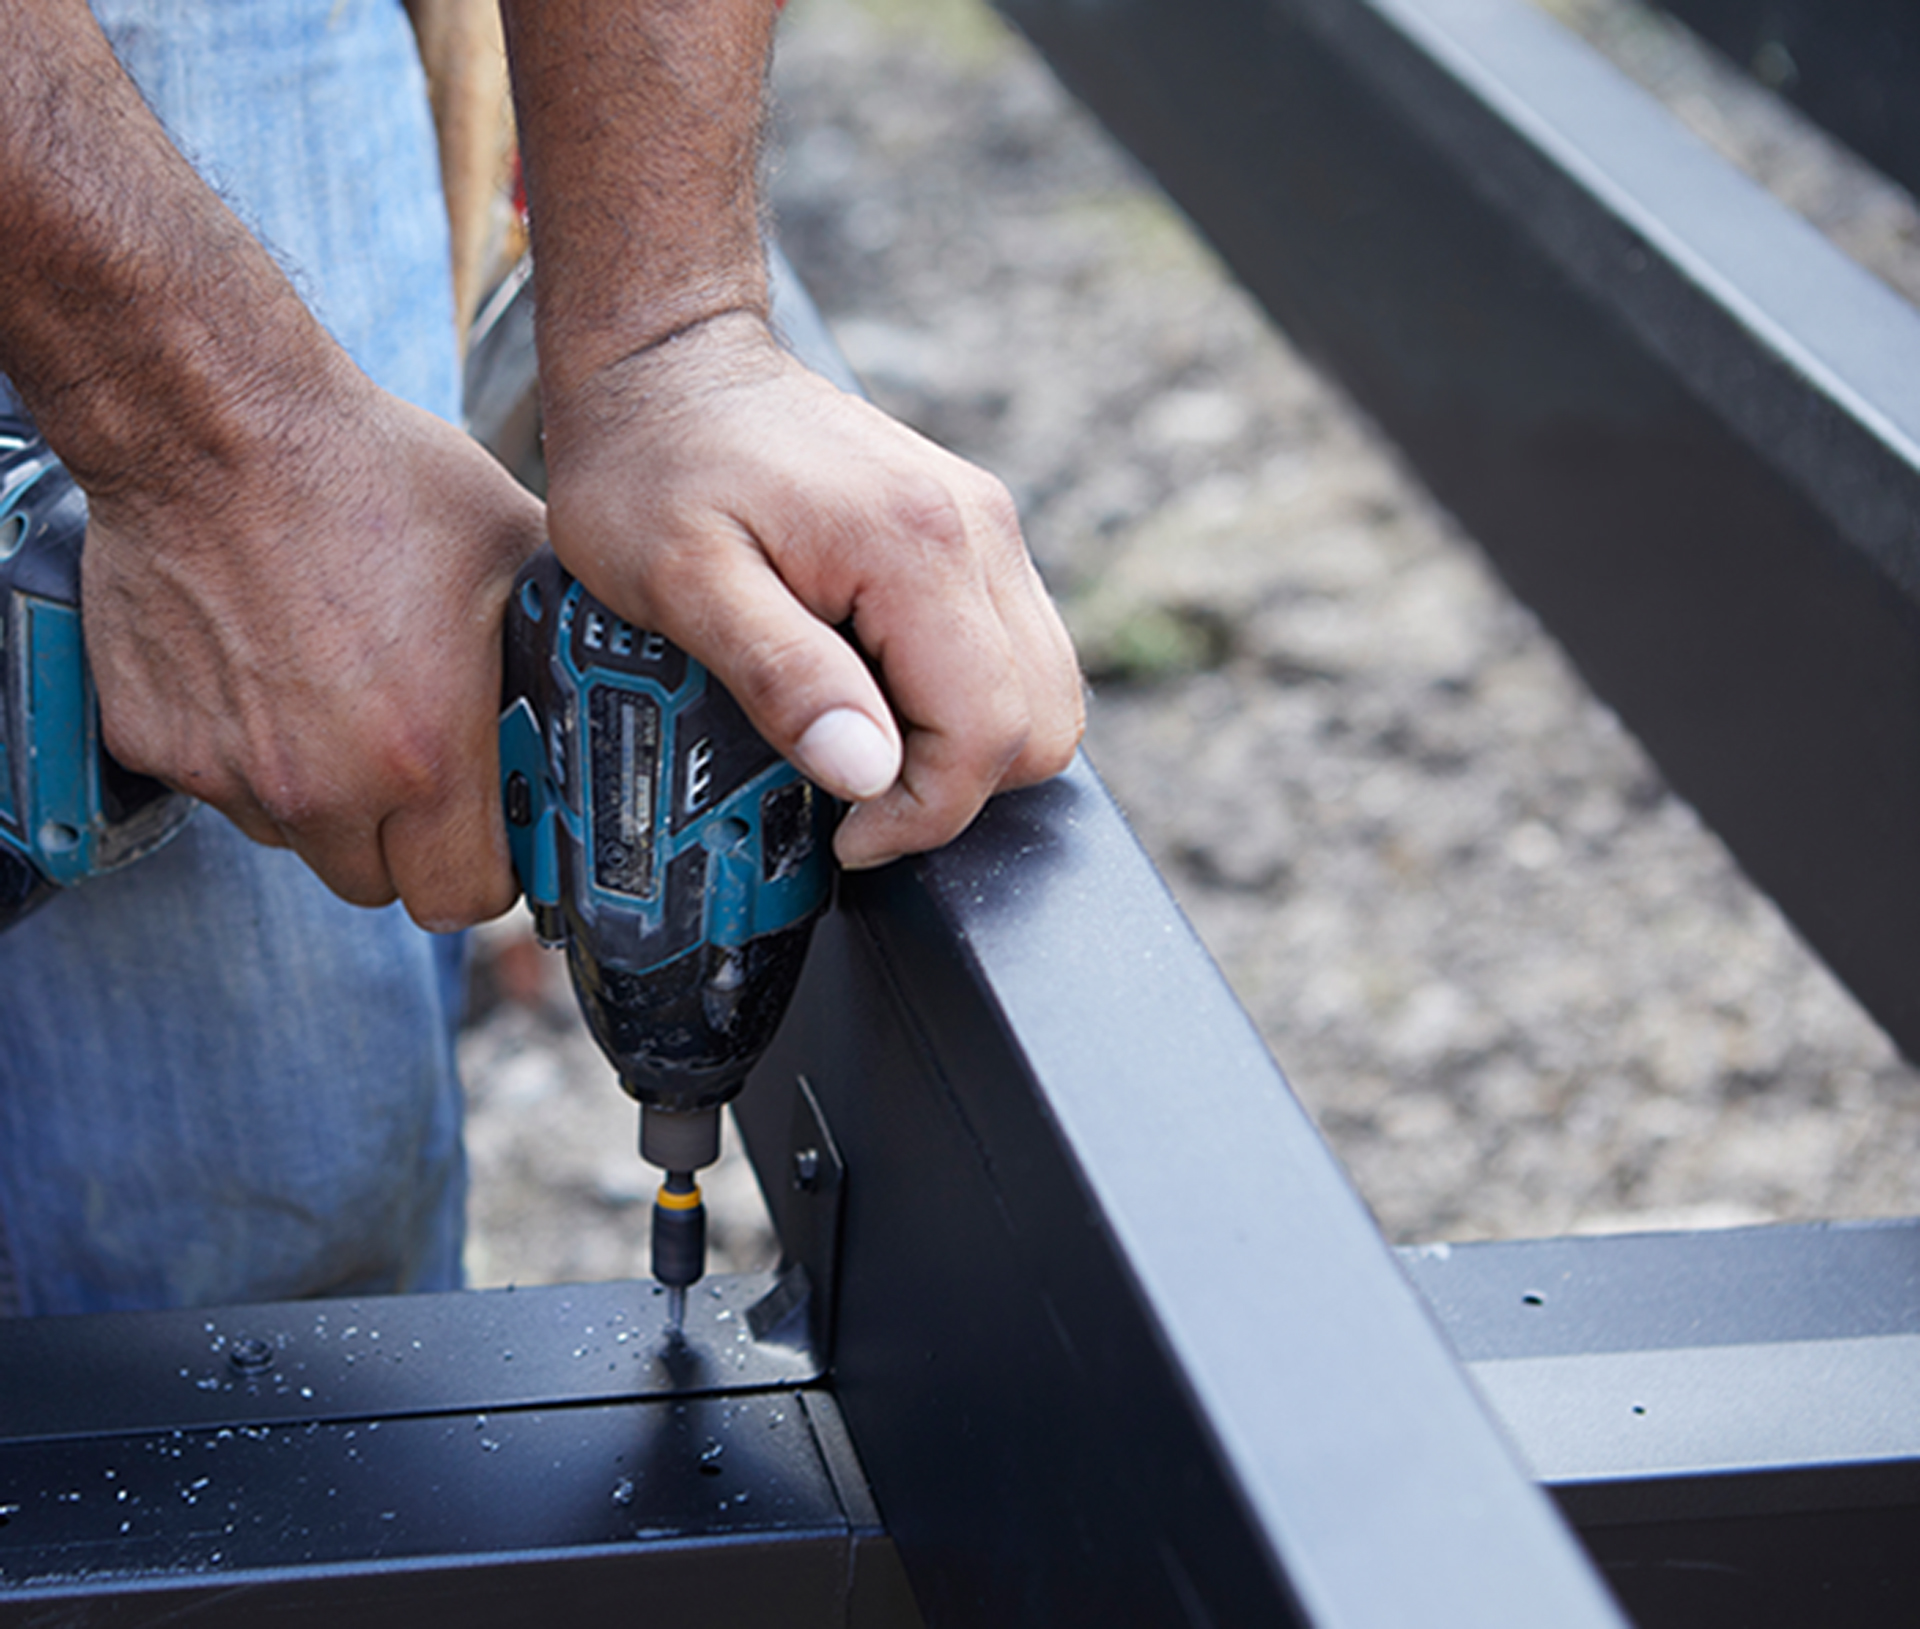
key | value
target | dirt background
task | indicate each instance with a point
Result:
(1520, 988)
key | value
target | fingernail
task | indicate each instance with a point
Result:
(871, 862)
(846, 752)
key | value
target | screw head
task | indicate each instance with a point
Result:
(806, 1169)
(250, 1354)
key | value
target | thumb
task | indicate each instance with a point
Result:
(806, 690)
(844, 751)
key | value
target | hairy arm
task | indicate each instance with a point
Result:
(703, 483)
(293, 582)
(133, 307)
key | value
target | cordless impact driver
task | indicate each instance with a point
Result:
(679, 861)
(676, 857)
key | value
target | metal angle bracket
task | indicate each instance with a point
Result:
(803, 1177)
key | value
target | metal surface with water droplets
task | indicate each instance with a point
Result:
(383, 1356)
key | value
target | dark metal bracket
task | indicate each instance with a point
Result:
(804, 1179)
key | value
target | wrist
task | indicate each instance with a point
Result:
(174, 396)
(141, 322)
(640, 131)
(585, 350)
(655, 385)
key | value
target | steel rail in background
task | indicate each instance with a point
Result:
(1730, 1419)
(1850, 64)
(1685, 429)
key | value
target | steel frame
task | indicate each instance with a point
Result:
(1115, 1338)
(1683, 426)
(1730, 1419)
(506, 1456)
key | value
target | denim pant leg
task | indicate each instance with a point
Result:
(217, 1082)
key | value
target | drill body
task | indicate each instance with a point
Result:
(68, 811)
(678, 860)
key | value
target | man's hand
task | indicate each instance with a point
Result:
(703, 483)
(310, 641)
(715, 490)
(294, 583)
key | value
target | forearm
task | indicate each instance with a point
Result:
(640, 128)
(139, 319)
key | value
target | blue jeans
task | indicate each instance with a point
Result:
(217, 1082)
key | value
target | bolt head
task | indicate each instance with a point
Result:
(806, 1169)
(250, 1354)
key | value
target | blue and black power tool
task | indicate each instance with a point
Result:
(68, 811)
(676, 857)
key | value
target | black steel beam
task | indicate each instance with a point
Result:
(1850, 64)
(1118, 1342)
(495, 1459)
(1686, 430)
(1730, 1419)
(1116, 1336)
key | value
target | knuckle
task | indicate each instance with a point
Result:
(365, 891)
(281, 783)
(927, 510)
(411, 760)
(998, 510)
(440, 911)
(1050, 749)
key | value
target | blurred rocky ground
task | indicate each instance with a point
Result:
(1518, 985)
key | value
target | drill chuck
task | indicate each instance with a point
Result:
(679, 1139)
(679, 1232)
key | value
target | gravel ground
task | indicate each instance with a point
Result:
(1518, 985)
